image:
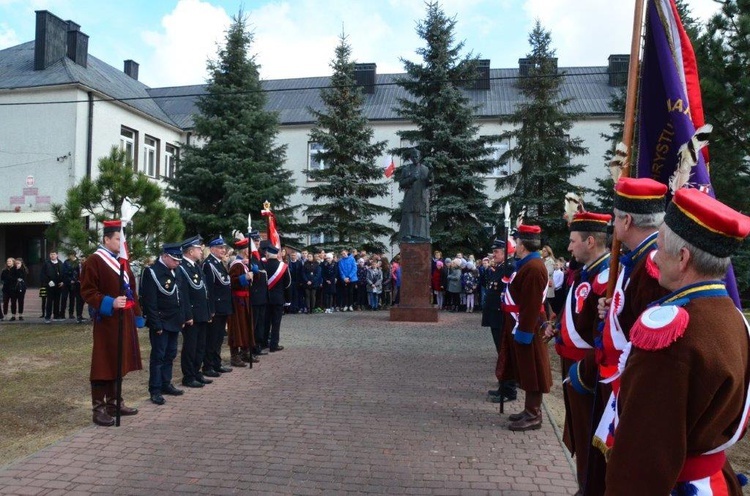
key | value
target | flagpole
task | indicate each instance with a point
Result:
(629, 126)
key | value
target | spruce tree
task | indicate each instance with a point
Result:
(101, 199)
(723, 55)
(342, 207)
(542, 147)
(235, 164)
(447, 136)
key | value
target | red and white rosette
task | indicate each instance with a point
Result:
(659, 326)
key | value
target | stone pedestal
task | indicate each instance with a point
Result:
(416, 293)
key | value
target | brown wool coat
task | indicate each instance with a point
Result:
(580, 417)
(681, 401)
(239, 323)
(97, 281)
(528, 364)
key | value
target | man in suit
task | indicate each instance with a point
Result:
(166, 312)
(200, 310)
(220, 294)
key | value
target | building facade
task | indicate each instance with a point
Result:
(62, 110)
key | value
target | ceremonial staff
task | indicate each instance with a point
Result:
(506, 234)
(120, 323)
(127, 211)
(628, 129)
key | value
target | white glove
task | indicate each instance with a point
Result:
(52, 284)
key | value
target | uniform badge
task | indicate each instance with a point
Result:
(659, 326)
(582, 291)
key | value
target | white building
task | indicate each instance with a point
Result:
(62, 109)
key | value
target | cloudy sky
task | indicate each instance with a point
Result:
(173, 39)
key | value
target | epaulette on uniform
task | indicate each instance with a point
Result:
(600, 282)
(659, 326)
(651, 268)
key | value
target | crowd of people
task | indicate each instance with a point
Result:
(656, 378)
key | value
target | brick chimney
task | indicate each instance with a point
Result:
(131, 69)
(78, 44)
(56, 39)
(618, 69)
(365, 75)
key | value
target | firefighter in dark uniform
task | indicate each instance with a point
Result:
(220, 294)
(201, 308)
(496, 279)
(166, 315)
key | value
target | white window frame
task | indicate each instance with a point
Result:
(494, 152)
(313, 164)
(150, 150)
(128, 138)
(171, 153)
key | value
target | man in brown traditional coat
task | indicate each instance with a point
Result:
(684, 388)
(574, 342)
(100, 288)
(523, 301)
(241, 336)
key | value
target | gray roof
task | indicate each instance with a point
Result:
(587, 87)
(17, 71)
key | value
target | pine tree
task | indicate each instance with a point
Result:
(342, 207)
(447, 136)
(543, 149)
(236, 164)
(101, 198)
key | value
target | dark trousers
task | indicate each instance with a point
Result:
(310, 299)
(17, 298)
(275, 312)
(294, 306)
(259, 324)
(193, 350)
(71, 298)
(349, 294)
(6, 300)
(214, 339)
(52, 307)
(163, 353)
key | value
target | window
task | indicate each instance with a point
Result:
(170, 161)
(313, 163)
(317, 238)
(128, 139)
(149, 156)
(494, 152)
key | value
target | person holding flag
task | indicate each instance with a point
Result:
(110, 297)
(278, 279)
(685, 385)
(241, 338)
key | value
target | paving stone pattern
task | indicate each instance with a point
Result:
(355, 404)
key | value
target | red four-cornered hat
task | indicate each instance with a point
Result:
(639, 195)
(706, 223)
(526, 231)
(590, 222)
(111, 226)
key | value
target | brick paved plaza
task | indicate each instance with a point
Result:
(354, 404)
